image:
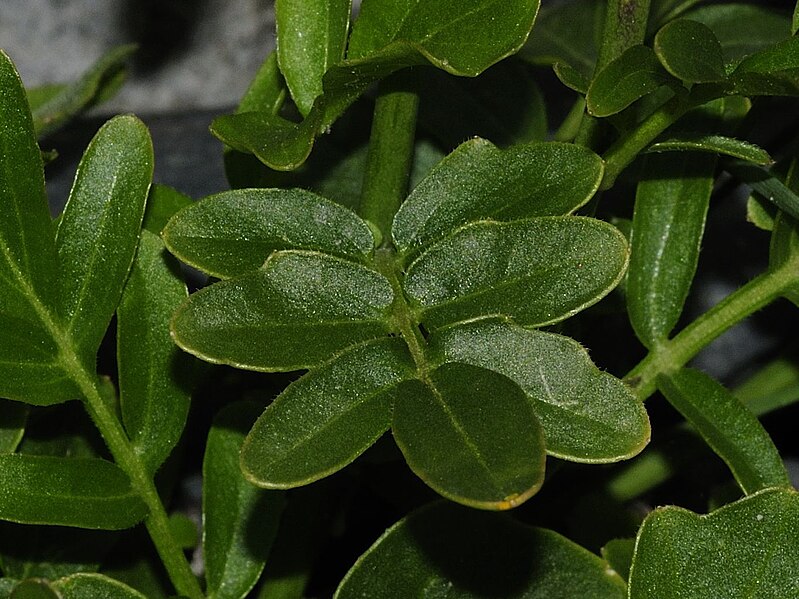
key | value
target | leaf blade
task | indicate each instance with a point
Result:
(79, 586)
(690, 51)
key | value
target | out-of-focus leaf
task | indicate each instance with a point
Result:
(239, 520)
(716, 144)
(99, 230)
(6, 586)
(619, 555)
(535, 271)
(663, 11)
(96, 586)
(448, 551)
(34, 589)
(690, 51)
(746, 548)
(479, 181)
(162, 204)
(233, 232)
(183, 530)
(765, 184)
(81, 492)
(293, 313)
(760, 212)
(13, 417)
(587, 415)
(730, 429)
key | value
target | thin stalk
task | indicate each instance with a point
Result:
(390, 155)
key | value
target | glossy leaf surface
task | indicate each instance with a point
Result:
(311, 35)
(730, 429)
(97, 586)
(716, 144)
(479, 181)
(154, 391)
(472, 435)
(239, 520)
(535, 271)
(293, 313)
(668, 223)
(587, 415)
(233, 232)
(327, 418)
(448, 551)
(690, 51)
(745, 549)
(99, 230)
(81, 492)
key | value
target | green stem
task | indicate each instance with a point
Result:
(390, 156)
(674, 354)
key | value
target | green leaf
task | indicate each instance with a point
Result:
(267, 91)
(96, 85)
(690, 51)
(771, 72)
(99, 230)
(479, 181)
(97, 586)
(13, 418)
(444, 550)
(716, 144)
(745, 549)
(327, 418)
(240, 521)
(6, 586)
(293, 313)
(34, 589)
(668, 223)
(587, 415)
(470, 434)
(536, 271)
(663, 11)
(233, 232)
(571, 77)
(795, 21)
(154, 385)
(184, 530)
(81, 492)
(634, 74)
(162, 204)
(311, 36)
(765, 184)
(730, 429)
(619, 555)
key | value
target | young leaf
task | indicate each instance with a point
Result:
(82, 586)
(690, 51)
(99, 230)
(13, 417)
(716, 144)
(233, 232)
(293, 313)
(444, 550)
(587, 415)
(153, 373)
(81, 492)
(311, 35)
(771, 72)
(668, 222)
(479, 181)
(163, 203)
(745, 549)
(472, 435)
(535, 271)
(239, 520)
(327, 418)
(730, 429)
(634, 74)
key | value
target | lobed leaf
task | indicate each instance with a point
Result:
(233, 232)
(81, 492)
(690, 51)
(744, 549)
(295, 312)
(99, 229)
(471, 435)
(587, 415)
(671, 205)
(240, 521)
(442, 550)
(715, 144)
(535, 271)
(479, 181)
(728, 427)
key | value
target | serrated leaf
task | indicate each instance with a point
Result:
(240, 521)
(716, 144)
(81, 492)
(471, 435)
(634, 74)
(771, 72)
(163, 202)
(327, 418)
(587, 415)
(444, 550)
(294, 313)
(668, 223)
(730, 429)
(311, 36)
(535, 271)
(690, 51)
(96, 586)
(618, 553)
(13, 418)
(479, 181)
(99, 229)
(745, 549)
(233, 232)
(154, 375)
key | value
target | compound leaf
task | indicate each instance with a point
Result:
(690, 51)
